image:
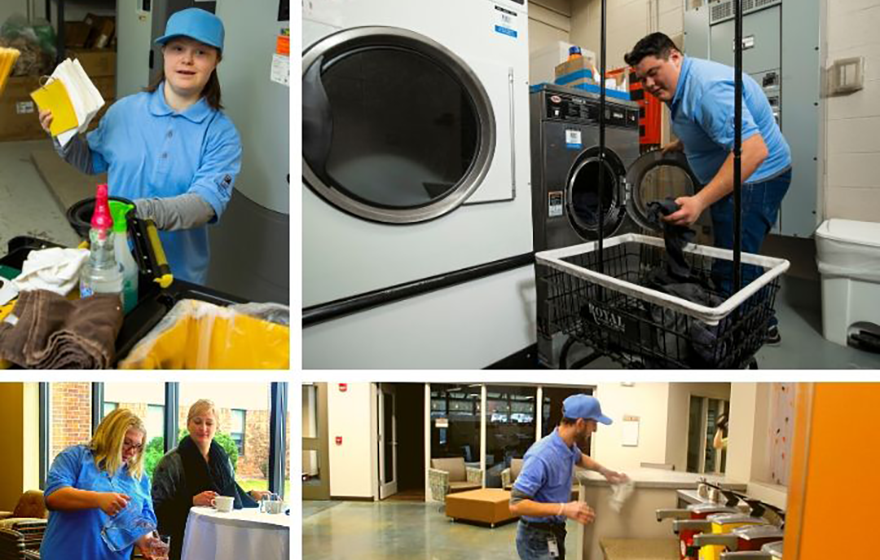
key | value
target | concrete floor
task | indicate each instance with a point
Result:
(27, 206)
(398, 531)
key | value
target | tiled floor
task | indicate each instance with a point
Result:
(398, 531)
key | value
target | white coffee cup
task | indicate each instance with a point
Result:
(223, 503)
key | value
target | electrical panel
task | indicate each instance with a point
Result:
(781, 52)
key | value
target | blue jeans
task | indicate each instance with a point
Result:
(531, 542)
(760, 207)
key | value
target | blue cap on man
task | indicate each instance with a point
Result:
(195, 23)
(584, 406)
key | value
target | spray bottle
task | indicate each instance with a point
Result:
(121, 250)
(101, 274)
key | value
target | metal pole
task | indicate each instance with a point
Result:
(601, 210)
(737, 150)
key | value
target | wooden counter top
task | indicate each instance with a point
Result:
(640, 549)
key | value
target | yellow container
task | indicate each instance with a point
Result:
(200, 335)
(725, 523)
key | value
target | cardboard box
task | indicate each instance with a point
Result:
(487, 505)
(575, 72)
(96, 62)
(19, 116)
(76, 33)
(106, 87)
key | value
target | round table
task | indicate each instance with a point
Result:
(244, 533)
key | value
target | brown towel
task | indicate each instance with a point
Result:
(53, 332)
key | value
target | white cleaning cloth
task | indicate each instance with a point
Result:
(619, 494)
(8, 291)
(55, 269)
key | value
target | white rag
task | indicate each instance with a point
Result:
(619, 494)
(8, 291)
(55, 269)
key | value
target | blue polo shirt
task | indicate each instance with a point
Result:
(149, 150)
(77, 533)
(703, 118)
(546, 474)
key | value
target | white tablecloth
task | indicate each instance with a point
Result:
(245, 534)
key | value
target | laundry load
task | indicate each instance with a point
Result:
(678, 334)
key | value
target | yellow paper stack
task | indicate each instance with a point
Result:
(7, 61)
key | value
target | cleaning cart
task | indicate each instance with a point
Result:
(176, 324)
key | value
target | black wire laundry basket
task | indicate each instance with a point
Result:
(620, 313)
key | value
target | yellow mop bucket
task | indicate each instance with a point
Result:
(724, 523)
(200, 335)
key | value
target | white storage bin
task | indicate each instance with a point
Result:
(848, 255)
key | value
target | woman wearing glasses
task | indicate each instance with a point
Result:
(193, 474)
(89, 484)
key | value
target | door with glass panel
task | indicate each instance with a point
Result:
(315, 452)
(387, 441)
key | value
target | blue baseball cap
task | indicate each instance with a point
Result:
(584, 406)
(195, 23)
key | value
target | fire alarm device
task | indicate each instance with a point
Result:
(338, 440)
(343, 387)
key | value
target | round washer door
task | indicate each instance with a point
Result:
(582, 193)
(396, 128)
(656, 176)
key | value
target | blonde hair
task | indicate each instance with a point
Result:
(106, 444)
(199, 407)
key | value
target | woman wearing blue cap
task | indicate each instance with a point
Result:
(541, 495)
(170, 148)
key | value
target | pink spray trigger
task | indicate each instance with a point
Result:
(101, 218)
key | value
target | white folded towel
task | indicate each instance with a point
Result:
(55, 269)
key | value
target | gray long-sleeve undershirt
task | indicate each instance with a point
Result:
(185, 211)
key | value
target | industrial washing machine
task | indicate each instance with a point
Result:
(415, 170)
(565, 179)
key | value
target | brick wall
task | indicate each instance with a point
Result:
(71, 415)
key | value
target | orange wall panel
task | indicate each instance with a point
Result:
(834, 491)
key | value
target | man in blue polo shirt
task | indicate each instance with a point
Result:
(700, 96)
(541, 495)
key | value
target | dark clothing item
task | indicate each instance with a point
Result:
(760, 207)
(182, 474)
(675, 237)
(679, 336)
(533, 540)
(53, 332)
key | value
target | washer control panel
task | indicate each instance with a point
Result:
(560, 106)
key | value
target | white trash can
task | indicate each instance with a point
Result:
(848, 255)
